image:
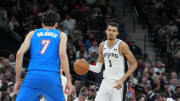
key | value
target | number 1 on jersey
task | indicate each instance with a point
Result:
(45, 45)
(110, 64)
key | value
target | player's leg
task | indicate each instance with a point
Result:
(55, 94)
(54, 90)
(102, 94)
(28, 94)
(119, 94)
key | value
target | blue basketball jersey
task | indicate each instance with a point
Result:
(45, 50)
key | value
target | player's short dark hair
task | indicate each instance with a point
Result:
(114, 24)
(49, 18)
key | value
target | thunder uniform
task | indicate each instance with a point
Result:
(43, 76)
(114, 70)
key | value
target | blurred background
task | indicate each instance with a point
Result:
(151, 28)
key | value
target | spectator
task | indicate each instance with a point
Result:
(14, 24)
(157, 85)
(94, 48)
(83, 95)
(174, 75)
(172, 27)
(141, 98)
(82, 53)
(178, 99)
(164, 97)
(70, 47)
(177, 93)
(173, 84)
(90, 2)
(93, 57)
(135, 49)
(131, 92)
(109, 13)
(176, 54)
(92, 92)
(88, 43)
(167, 90)
(68, 24)
(160, 67)
(5, 65)
(77, 85)
(3, 18)
(52, 7)
(151, 74)
(73, 95)
(12, 60)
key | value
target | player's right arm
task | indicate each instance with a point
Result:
(99, 63)
(19, 59)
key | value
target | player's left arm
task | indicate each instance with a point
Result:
(124, 49)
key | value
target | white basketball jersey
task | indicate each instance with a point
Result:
(63, 82)
(114, 61)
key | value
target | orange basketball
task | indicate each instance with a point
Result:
(81, 67)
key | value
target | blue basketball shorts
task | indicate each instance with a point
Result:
(38, 83)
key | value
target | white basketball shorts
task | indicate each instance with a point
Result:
(108, 93)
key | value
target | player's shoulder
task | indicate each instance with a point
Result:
(63, 35)
(31, 33)
(102, 43)
(123, 45)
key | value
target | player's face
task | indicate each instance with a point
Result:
(111, 32)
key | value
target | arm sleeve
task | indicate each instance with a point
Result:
(96, 68)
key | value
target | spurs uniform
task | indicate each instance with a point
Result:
(64, 81)
(114, 70)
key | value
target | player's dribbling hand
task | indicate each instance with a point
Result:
(118, 84)
(17, 87)
(80, 60)
(68, 89)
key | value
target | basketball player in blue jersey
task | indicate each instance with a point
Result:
(48, 52)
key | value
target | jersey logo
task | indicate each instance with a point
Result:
(108, 55)
(115, 49)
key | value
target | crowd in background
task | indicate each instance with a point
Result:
(84, 21)
(162, 20)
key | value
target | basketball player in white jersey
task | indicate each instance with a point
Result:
(63, 82)
(112, 52)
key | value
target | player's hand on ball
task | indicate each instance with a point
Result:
(81, 66)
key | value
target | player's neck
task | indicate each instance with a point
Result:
(49, 27)
(111, 42)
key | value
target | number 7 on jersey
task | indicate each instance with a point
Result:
(45, 45)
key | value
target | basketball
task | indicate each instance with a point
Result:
(81, 67)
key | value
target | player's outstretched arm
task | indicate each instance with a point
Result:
(19, 59)
(99, 63)
(65, 62)
(124, 49)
